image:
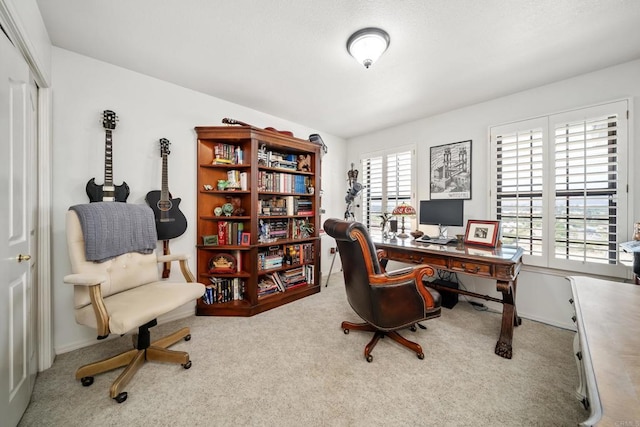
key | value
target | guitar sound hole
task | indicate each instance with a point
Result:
(165, 205)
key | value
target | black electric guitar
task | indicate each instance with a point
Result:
(107, 192)
(170, 222)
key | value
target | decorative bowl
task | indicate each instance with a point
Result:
(416, 233)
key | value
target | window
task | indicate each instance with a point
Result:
(560, 188)
(388, 181)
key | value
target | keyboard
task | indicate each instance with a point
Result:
(444, 241)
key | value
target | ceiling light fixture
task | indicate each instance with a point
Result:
(367, 45)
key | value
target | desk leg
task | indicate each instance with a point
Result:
(509, 318)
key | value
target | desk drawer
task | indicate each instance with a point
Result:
(471, 267)
(416, 258)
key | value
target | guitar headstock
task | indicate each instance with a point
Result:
(164, 147)
(109, 119)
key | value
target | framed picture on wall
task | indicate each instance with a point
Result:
(450, 173)
(486, 233)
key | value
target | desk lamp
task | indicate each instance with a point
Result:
(403, 210)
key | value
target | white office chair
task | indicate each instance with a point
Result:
(125, 292)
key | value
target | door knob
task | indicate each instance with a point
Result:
(23, 258)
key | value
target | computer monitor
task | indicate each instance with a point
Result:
(443, 213)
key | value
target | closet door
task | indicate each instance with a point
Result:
(16, 285)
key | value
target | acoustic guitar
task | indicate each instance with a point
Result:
(170, 221)
(107, 192)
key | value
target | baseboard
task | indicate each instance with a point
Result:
(177, 314)
(563, 325)
(524, 315)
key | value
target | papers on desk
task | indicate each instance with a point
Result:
(631, 246)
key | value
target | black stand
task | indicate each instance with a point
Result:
(348, 216)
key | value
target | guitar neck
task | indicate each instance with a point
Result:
(164, 193)
(108, 158)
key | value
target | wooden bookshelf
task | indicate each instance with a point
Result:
(270, 181)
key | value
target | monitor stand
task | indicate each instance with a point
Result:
(442, 232)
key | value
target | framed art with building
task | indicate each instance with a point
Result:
(450, 174)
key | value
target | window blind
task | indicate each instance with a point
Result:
(587, 190)
(560, 188)
(519, 188)
(388, 181)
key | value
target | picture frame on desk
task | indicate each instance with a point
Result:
(450, 172)
(485, 233)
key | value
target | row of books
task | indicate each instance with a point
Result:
(230, 232)
(299, 253)
(272, 229)
(294, 254)
(287, 205)
(281, 182)
(274, 159)
(237, 180)
(271, 257)
(285, 280)
(223, 290)
(227, 154)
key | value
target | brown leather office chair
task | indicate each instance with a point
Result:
(386, 301)
(124, 293)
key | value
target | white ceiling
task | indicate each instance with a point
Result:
(288, 57)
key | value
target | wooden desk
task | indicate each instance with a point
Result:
(608, 319)
(500, 264)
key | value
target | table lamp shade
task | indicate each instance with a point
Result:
(403, 210)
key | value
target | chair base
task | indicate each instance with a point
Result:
(346, 326)
(133, 359)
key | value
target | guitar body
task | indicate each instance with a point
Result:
(170, 221)
(96, 192)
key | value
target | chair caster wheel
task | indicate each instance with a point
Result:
(369, 358)
(121, 397)
(86, 381)
(346, 332)
(187, 365)
(187, 337)
(412, 328)
(420, 356)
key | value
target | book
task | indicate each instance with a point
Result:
(278, 281)
(222, 232)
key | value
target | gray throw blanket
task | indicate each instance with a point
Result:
(113, 228)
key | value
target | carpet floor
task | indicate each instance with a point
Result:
(294, 366)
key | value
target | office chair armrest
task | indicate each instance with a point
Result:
(93, 281)
(85, 279)
(184, 267)
(399, 272)
(172, 257)
(409, 275)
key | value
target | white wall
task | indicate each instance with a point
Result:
(540, 296)
(148, 109)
